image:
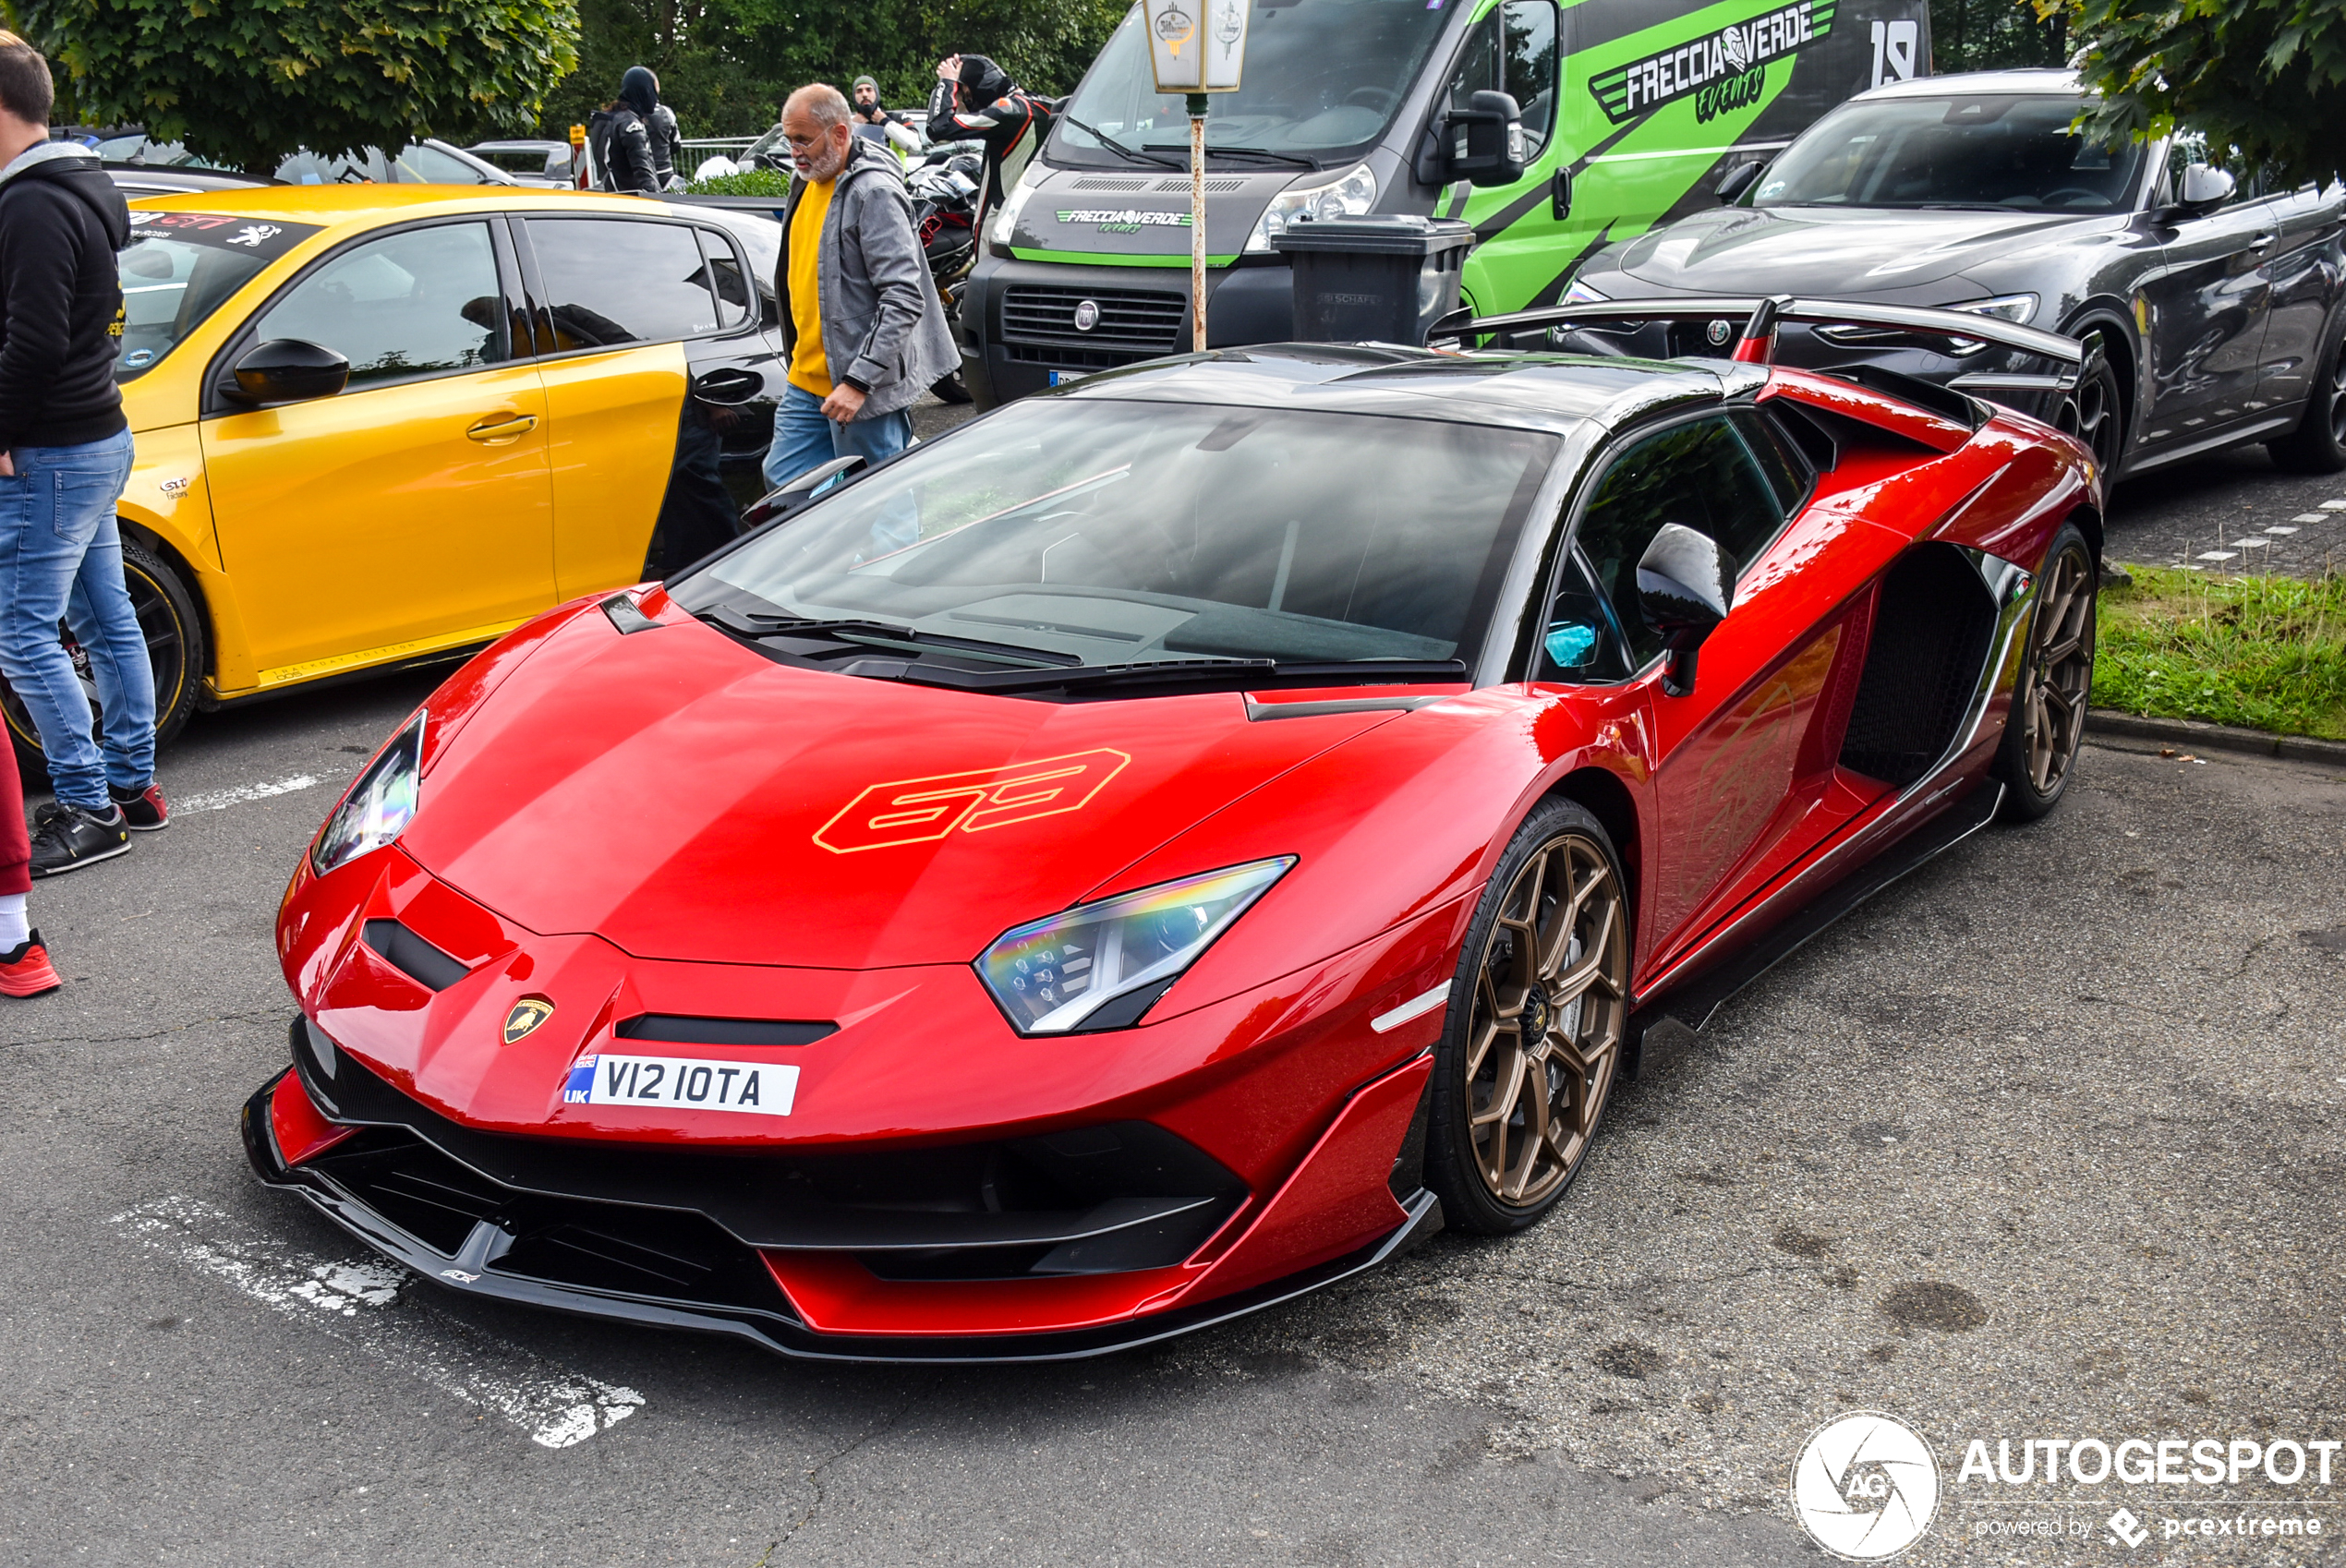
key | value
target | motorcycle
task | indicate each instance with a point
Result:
(944, 186)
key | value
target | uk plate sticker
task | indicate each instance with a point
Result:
(692, 1084)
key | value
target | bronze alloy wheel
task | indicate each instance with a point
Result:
(2048, 719)
(1543, 1034)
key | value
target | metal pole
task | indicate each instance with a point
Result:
(1197, 222)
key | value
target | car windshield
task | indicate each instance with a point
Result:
(1110, 533)
(1323, 78)
(2014, 153)
(179, 268)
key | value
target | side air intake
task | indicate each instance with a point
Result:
(1931, 634)
(411, 955)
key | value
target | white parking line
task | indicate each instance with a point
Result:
(216, 800)
(359, 1302)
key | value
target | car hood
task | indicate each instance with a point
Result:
(685, 797)
(1821, 252)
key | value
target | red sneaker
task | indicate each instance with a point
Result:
(143, 810)
(25, 970)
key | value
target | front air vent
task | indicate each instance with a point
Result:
(411, 955)
(1127, 183)
(675, 1028)
(1215, 185)
(1144, 320)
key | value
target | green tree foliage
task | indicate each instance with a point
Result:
(2267, 76)
(245, 83)
(725, 65)
(1992, 35)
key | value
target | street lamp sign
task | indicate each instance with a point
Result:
(1196, 47)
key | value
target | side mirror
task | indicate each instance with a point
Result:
(1736, 181)
(1483, 143)
(289, 371)
(1685, 588)
(777, 504)
(2205, 187)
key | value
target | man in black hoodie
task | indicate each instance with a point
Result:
(622, 135)
(65, 456)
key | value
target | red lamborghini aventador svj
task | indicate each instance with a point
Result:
(1169, 843)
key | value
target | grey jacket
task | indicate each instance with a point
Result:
(883, 326)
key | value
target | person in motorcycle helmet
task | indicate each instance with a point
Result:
(620, 136)
(977, 100)
(876, 122)
(667, 147)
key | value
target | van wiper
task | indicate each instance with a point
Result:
(1291, 159)
(1115, 146)
(860, 629)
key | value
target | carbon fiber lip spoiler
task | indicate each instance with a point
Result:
(1756, 343)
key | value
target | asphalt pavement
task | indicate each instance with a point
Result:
(2042, 1141)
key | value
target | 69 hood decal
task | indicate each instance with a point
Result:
(920, 811)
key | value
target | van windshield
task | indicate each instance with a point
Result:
(1323, 78)
(1975, 151)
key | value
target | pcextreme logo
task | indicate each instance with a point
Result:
(1722, 71)
(920, 811)
(1866, 1486)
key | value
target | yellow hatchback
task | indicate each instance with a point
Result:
(379, 424)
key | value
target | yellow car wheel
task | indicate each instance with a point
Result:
(177, 649)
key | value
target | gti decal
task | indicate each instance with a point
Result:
(1722, 72)
(920, 811)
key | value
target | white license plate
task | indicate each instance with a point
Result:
(1061, 378)
(692, 1084)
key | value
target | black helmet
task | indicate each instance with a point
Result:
(639, 90)
(983, 82)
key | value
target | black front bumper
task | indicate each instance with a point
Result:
(399, 1186)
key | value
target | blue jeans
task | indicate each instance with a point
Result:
(61, 560)
(804, 438)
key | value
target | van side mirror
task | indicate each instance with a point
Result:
(1483, 143)
(1685, 588)
(1736, 181)
(2204, 189)
(777, 504)
(288, 370)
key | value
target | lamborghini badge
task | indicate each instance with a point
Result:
(527, 1014)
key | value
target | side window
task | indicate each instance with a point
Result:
(1582, 642)
(1700, 473)
(1787, 471)
(1513, 51)
(733, 293)
(409, 304)
(418, 164)
(617, 281)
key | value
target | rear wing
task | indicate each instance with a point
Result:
(1756, 344)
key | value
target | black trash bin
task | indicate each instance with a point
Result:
(1383, 279)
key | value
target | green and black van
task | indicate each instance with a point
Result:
(1631, 110)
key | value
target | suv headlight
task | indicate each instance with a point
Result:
(2013, 307)
(1349, 195)
(378, 808)
(1579, 292)
(1057, 974)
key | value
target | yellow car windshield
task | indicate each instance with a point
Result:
(178, 269)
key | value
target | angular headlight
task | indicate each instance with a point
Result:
(1349, 195)
(379, 807)
(1057, 974)
(2013, 307)
(1005, 221)
(1579, 292)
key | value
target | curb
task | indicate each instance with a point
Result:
(2214, 737)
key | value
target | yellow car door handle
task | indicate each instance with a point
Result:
(498, 428)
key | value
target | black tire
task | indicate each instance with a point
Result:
(2319, 444)
(2100, 401)
(2047, 723)
(176, 646)
(1495, 1154)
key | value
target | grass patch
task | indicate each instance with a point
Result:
(749, 182)
(2265, 653)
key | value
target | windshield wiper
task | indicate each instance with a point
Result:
(1231, 674)
(861, 629)
(1115, 146)
(1292, 159)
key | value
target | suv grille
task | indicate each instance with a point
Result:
(1144, 323)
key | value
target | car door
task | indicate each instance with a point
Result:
(2307, 224)
(412, 509)
(1729, 754)
(2207, 305)
(1515, 49)
(628, 321)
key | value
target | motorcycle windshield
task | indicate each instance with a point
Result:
(1324, 79)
